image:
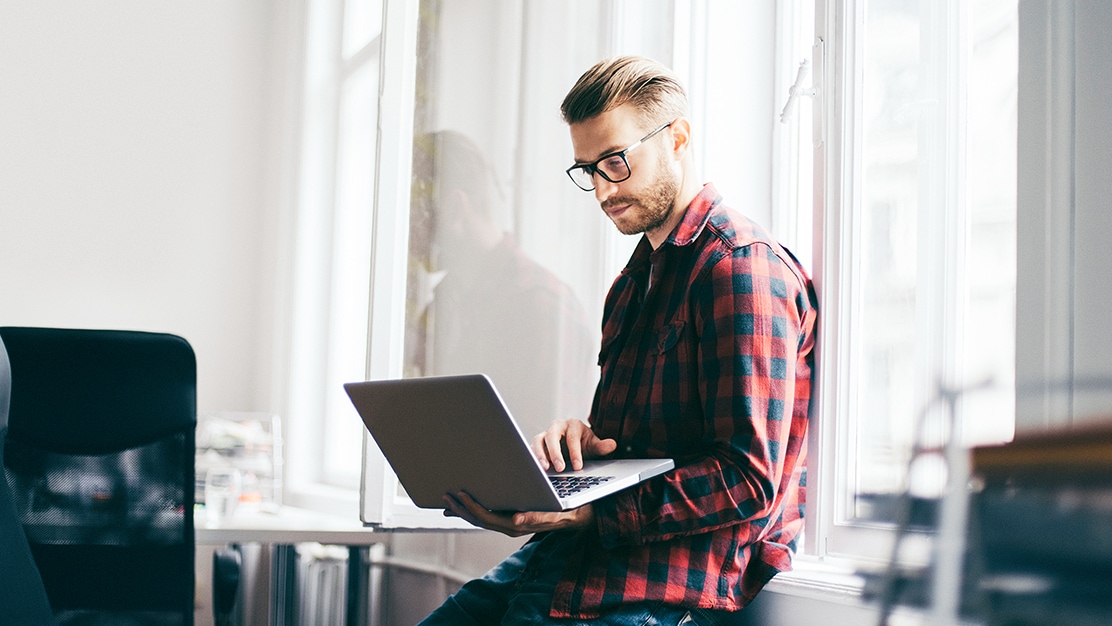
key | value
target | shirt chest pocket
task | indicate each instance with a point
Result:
(666, 343)
(673, 359)
(669, 337)
(673, 392)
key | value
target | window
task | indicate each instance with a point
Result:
(332, 248)
(917, 270)
(503, 262)
(500, 263)
(911, 238)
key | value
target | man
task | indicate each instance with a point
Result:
(707, 352)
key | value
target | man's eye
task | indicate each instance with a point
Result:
(612, 165)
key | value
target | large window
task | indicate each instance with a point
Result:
(481, 256)
(918, 271)
(333, 245)
(505, 262)
(499, 264)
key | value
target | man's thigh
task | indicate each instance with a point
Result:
(519, 591)
(484, 600)
(528, 608)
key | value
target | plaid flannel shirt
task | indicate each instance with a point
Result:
(706, 358)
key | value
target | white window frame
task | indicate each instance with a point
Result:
(327, 225)
(381, 505)
(833, 535)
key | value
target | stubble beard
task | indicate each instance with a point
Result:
(653, 207)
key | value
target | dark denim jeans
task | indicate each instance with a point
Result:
(519, 591)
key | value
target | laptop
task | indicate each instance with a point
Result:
(445, 434)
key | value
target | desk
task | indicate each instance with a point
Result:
(284, 525)
(283, 528)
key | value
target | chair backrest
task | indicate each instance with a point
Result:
(99, 459)
(22, 597)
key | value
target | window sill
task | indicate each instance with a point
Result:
(324, 498)
(819, 580)
(819, 593)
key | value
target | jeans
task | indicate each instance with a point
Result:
(519, 591)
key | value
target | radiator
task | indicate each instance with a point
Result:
(322, 584)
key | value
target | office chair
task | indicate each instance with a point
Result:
(99, 459)
(22, 596)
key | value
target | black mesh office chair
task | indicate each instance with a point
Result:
(22, 597)
(99, 460)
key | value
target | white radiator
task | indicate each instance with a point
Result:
(322, 584)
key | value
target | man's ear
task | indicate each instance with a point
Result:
(681, 136)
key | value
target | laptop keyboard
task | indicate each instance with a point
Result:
(569, 485)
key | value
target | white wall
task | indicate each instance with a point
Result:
(137, 184)
(1093, 211)
(142, 151)
(1064, 291)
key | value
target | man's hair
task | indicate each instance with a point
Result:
(653, 89)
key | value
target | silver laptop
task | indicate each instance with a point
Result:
(445, 434)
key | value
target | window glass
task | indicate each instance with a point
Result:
(332, 247)
(351, 272)
(506, 261)
(932, 278)
(507, 258)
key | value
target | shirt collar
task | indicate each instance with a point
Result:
(695, 219)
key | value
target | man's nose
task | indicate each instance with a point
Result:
(603, 188)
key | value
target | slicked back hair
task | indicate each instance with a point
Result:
(653, 89)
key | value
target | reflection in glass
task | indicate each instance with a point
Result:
(478, 302)
(506, 260)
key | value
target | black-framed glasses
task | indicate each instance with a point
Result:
(613, 167)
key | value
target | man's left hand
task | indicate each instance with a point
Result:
(515, 524)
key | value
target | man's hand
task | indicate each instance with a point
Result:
(515, 524)
(580, 440)
(581, 443)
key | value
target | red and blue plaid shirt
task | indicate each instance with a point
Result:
(706, 358)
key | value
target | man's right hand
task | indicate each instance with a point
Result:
(579, 439)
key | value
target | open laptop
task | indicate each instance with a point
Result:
(445, 434)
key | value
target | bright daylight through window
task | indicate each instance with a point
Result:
(925, 278)
(915, 220)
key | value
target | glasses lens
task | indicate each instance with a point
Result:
(614, 168)
(581, 177)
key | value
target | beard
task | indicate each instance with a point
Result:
(649, 209)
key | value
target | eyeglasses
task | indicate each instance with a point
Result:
(613, 167)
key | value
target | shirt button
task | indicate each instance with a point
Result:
(629, 449)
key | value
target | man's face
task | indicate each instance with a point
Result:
(643, 202)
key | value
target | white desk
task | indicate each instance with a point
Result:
(283, 528)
